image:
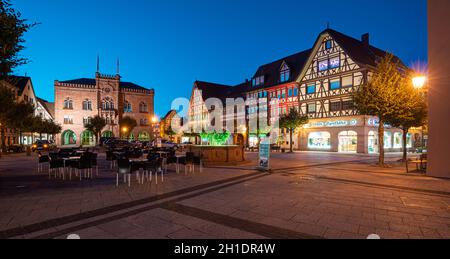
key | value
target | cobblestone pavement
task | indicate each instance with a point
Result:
(308, 195)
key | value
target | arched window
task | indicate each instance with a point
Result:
(69, 138)
(144, 136)
(285, 73)
(87, 105)
(108, 104)
(68, 104)
(143, 107)
(87, 138)
(348, 142)
(127, 107)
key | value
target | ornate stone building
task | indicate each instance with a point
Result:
(77, 101)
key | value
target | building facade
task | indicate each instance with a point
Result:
(79, 100)
(319, 83)
(22, 86)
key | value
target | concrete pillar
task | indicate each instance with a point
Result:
(439, 88)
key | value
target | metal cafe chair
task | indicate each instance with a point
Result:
(124, 168)
(43, 160)
(155, 166)
(56, 167)
(83, 165)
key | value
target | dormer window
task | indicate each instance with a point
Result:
(257, 81)
(285, 73)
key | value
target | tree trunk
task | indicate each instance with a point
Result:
(405, 151)
(381, 143)
(290, 142)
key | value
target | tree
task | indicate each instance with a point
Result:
(169, 132)
(381, 96)
(291, 122)
(12, 30)
(96, 125)
(413, 113)
(20, 114)
(127, 124)
(7, 102)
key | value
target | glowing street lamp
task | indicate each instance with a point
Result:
(419, 82)
(124, 130)
(154, 119)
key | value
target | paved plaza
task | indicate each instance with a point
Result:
(308, 195)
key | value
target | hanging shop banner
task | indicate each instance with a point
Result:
(264, 155)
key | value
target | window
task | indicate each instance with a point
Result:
(295, 92)
(328, 44)
(398, 140)
(348, 105)
(87, 120)
(283, 94)
(387, 140)
(311, 89)
(311, 108)
(258, 81)
(319, 140)
(144, 122)
(323, 65)
(68, 119)
(335, 62)
(335, 106)
(335, 84)
(108, 104)
(127, 107)
(347, 81)
(285, 73)
(143, 107)
(87, 105)
(68, 104)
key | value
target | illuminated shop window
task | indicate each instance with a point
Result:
(319, 140)
(387, 140)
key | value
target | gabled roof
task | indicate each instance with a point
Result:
(92, 82)
(222, 92)
(20, 82)
(271, 71)
(358, 50)
(212, 90)
(49, 107)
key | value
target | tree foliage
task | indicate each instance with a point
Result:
(12, 29)
(128, 123)
(291, 122)
(412, 113)
(383, 96)
(96, 126)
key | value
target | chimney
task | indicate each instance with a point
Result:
(365, 39)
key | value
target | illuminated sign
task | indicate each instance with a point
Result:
(375, 122)
(331, 124)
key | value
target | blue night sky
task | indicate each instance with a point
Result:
(168, 44)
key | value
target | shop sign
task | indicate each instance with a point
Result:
(375, 122)
(332, 124)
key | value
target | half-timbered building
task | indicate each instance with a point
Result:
(338, 65)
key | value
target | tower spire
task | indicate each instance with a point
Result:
(118, 66)
(98, 63)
